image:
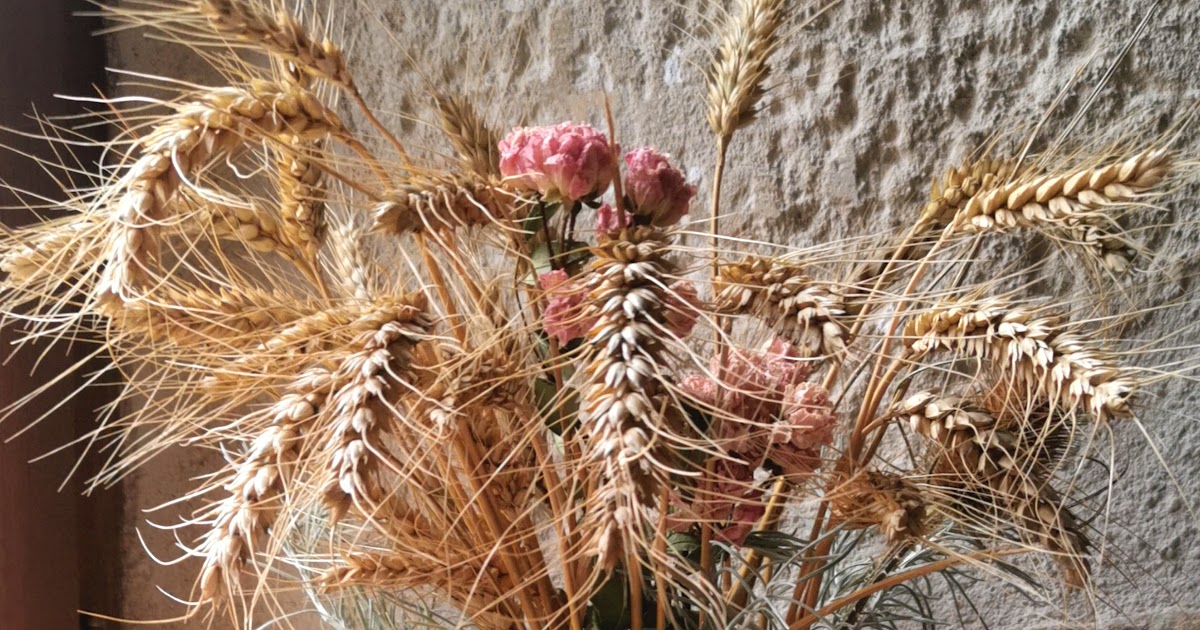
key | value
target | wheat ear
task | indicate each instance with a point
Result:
(201, 317)
(735, 81)
(1056, 360)
(895, 505)
(256, 490)
(624, 404)
(442, 203)
(477, 145)
(301, 199)
(212, 125)
(279, 33)
(1078, 203)
(808, 313)
(371, 378)
(1006, 463)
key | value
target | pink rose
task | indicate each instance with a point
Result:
(657, 189)
(610, 221)
(566, 162)
(563, 315)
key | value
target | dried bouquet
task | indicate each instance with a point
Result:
(535, 386)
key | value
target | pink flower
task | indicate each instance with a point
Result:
(566, 162)
(762, 378)
(683, 308)
(610, 221)
(807, 425)
(563, 315)
(770, 410)
(657, 189)
(734, 506)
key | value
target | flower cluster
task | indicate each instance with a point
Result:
(769, 409)
(571, 163)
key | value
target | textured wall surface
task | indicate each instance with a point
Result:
(868, 102)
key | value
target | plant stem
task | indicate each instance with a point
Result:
(900, 578)
(660, 548)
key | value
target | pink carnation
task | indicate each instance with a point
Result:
(611, 221)
(657, 189)
(683, 308)
(734, 506)
(807, 425)
(763, 377)
(563, 315)
(566, 162)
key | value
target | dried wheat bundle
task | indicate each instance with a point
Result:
(509, 385)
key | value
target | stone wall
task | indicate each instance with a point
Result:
(869, 101)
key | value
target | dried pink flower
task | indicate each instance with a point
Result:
(763, 377)
(809, 417)
(566, 162)
(734, 506)
(807, 425)
(657, 189)
(563, 315)
(610, 221)
(683, 308)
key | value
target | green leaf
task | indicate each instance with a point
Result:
(682, 543)
(610, 610)
(542, 213)
(554, 406)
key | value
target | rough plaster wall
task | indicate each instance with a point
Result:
(868, 103)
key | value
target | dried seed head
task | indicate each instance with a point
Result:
(280, 34)
(477, 144)
(442, 203)
(735, 80)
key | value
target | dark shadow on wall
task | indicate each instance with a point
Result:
(58, 549)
